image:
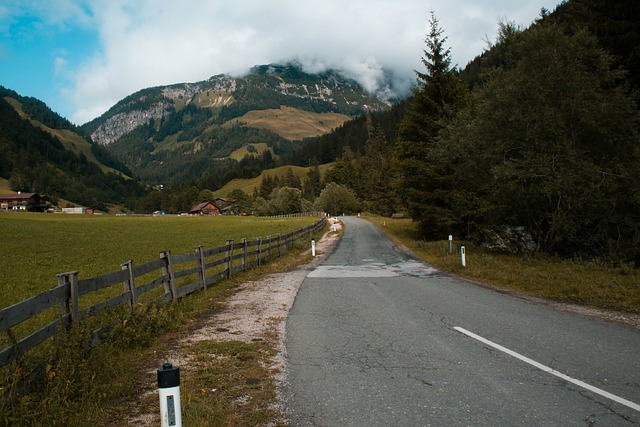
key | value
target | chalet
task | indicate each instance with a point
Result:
(206, 208)
(23, 202)
(229, 206)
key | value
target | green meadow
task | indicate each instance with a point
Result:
(36, 247)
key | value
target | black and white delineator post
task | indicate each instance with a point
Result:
(463, 256)
(169, 387)
(313, 247)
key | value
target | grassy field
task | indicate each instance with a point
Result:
(292, 123)
(590, 283)
(36, 247)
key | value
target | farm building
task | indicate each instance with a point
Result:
(23, 202)
(206, 208)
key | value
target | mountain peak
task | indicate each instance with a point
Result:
(263, 87)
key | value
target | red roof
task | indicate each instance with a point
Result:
(17, 196)
(203, 206)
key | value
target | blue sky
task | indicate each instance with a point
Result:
(82, 56)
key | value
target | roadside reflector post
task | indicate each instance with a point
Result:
(169, 387)
(313, 247)
(450, 243)
(463, 256)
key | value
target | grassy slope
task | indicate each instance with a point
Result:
(249, 185)
(292, 123)
(4, 186)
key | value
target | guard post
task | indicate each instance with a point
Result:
(169, 388)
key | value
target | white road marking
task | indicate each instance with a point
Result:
(551, 371)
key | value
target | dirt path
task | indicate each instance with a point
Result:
(256, 312)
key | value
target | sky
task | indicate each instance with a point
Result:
(82, 56)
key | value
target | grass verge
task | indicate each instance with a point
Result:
(590, 283)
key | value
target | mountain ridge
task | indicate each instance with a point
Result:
(289, 83)
(176, 133)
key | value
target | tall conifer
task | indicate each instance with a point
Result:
(439, 94)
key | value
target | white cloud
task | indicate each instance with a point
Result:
(155, 42)
(59, 64)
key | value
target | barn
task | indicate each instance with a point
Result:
(206, 208)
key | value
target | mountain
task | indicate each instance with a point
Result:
(43, 152)
(176, 134)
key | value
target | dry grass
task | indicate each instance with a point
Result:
(292, 123)
(591, 283)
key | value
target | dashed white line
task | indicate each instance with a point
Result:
(551, 371)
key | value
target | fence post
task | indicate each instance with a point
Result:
(269, 248)
(201, 264)
(167, 270)
(244, 254)
(74, 295)
(67, 306)
(229, 257)
(129, 284)
(259, 250)
(279, 244)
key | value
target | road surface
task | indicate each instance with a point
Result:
(377, 338)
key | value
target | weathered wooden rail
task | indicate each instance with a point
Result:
(206, 266)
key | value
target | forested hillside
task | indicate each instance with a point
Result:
(34, 159)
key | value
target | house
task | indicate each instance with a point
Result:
(229, 206)
(206, 208)
(23, 202)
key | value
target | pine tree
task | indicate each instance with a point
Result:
(423, 186)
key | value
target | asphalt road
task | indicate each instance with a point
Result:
(376, 338)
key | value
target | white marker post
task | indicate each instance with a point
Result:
(169, 386)
(313, 247)
(463, 256)
(450, 244)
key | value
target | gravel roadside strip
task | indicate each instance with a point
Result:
(256, 311)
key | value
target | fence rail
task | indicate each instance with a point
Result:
(207, 266)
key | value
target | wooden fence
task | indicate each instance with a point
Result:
(169, 271)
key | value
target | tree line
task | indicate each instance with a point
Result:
(542, 153)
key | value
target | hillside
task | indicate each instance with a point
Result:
(44, 153)
(176, 134)
(248, 186)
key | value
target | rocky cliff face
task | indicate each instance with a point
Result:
(114, 127)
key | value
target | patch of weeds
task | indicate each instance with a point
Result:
(233, 380)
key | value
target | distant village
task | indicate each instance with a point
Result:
(34, 202)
